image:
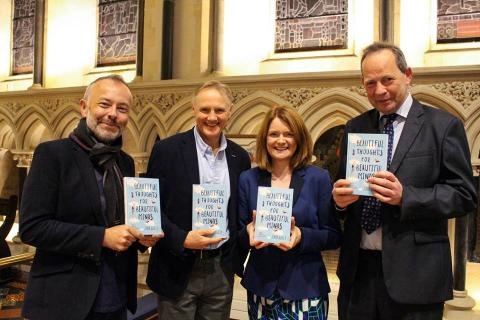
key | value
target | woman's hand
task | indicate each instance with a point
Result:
(251, 234)
(295, 237)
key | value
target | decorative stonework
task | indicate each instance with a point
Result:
(462, 95)
(463, 92)
(13, 106)
(52, 105)
(360, 90)
(297, 96)
(141, 163)
(239, 94)
(24, 160)
(163, 101)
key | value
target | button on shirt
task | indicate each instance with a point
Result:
(373, 241)
(213, 169)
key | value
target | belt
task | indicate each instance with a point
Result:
(206, 254)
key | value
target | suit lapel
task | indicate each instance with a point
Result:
(190, 159)
(372, 124)
(232, 163)
(264, 178)
(297, 183)
(89, 181)
(412, 127)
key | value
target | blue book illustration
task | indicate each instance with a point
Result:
(142, 204)
(366, 154)
(209, 208)
(274, 214)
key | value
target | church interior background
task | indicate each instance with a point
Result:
(301, 53)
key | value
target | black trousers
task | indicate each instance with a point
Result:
(368, 299)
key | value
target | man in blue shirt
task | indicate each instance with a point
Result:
(192, 272)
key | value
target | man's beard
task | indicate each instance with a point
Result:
(100, 134)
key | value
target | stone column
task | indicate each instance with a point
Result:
(386, 22)
(24, 162)
(217, 37)
(140, 34)
(461, 306)
(167, 39)
(38, 44)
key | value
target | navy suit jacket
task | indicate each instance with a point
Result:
(61, 216)
(300, 272)
(174, 162)
(432, 162)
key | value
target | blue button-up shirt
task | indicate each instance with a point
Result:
(213, 169)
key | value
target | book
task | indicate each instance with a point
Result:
(274, 214)
(366, 154)
(142, 204)
(209, 208)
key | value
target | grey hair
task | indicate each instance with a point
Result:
(222, 88)
(114, 77)
(397, 52)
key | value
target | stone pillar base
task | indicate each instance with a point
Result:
(460, 307)
(36, 86)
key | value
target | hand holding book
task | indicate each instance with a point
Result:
(295, 238)
(251, 233)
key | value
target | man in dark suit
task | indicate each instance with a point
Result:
(395, 258)
(85, 266)
(191, 271)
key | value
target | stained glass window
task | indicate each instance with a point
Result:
(311, 24)
(458, 21)
(23, 36)
(117, 32)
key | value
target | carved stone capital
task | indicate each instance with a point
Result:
(23, 159)
(162, 101)
(297, 96)
(464, 92)
(141, 162)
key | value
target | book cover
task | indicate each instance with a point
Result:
(274, 214)
(142, 204)
(366, 154)
(209, 208)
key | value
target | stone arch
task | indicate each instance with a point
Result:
(472, 127)
(150, 115)
(33, 128)
(65, 122)
(250, 111)
(331, 108)
(180, 117)
(7, 136)
(153, 127)
(130, 139)
(439, 100)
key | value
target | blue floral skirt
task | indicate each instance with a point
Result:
(277, 308)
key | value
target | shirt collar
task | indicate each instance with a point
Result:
(204, 147)
(404, 108)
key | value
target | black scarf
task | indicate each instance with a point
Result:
(104, 156)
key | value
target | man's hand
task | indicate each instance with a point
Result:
(386, 187)
(295, 237)
(251, 233)
(342, 193)
(149, 241)
(119, 238)
(198, 239)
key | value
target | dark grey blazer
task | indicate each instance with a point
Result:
(174, 162)
(432, 161)
(61, 216)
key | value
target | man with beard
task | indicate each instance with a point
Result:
(85, 266)
(191, 271)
